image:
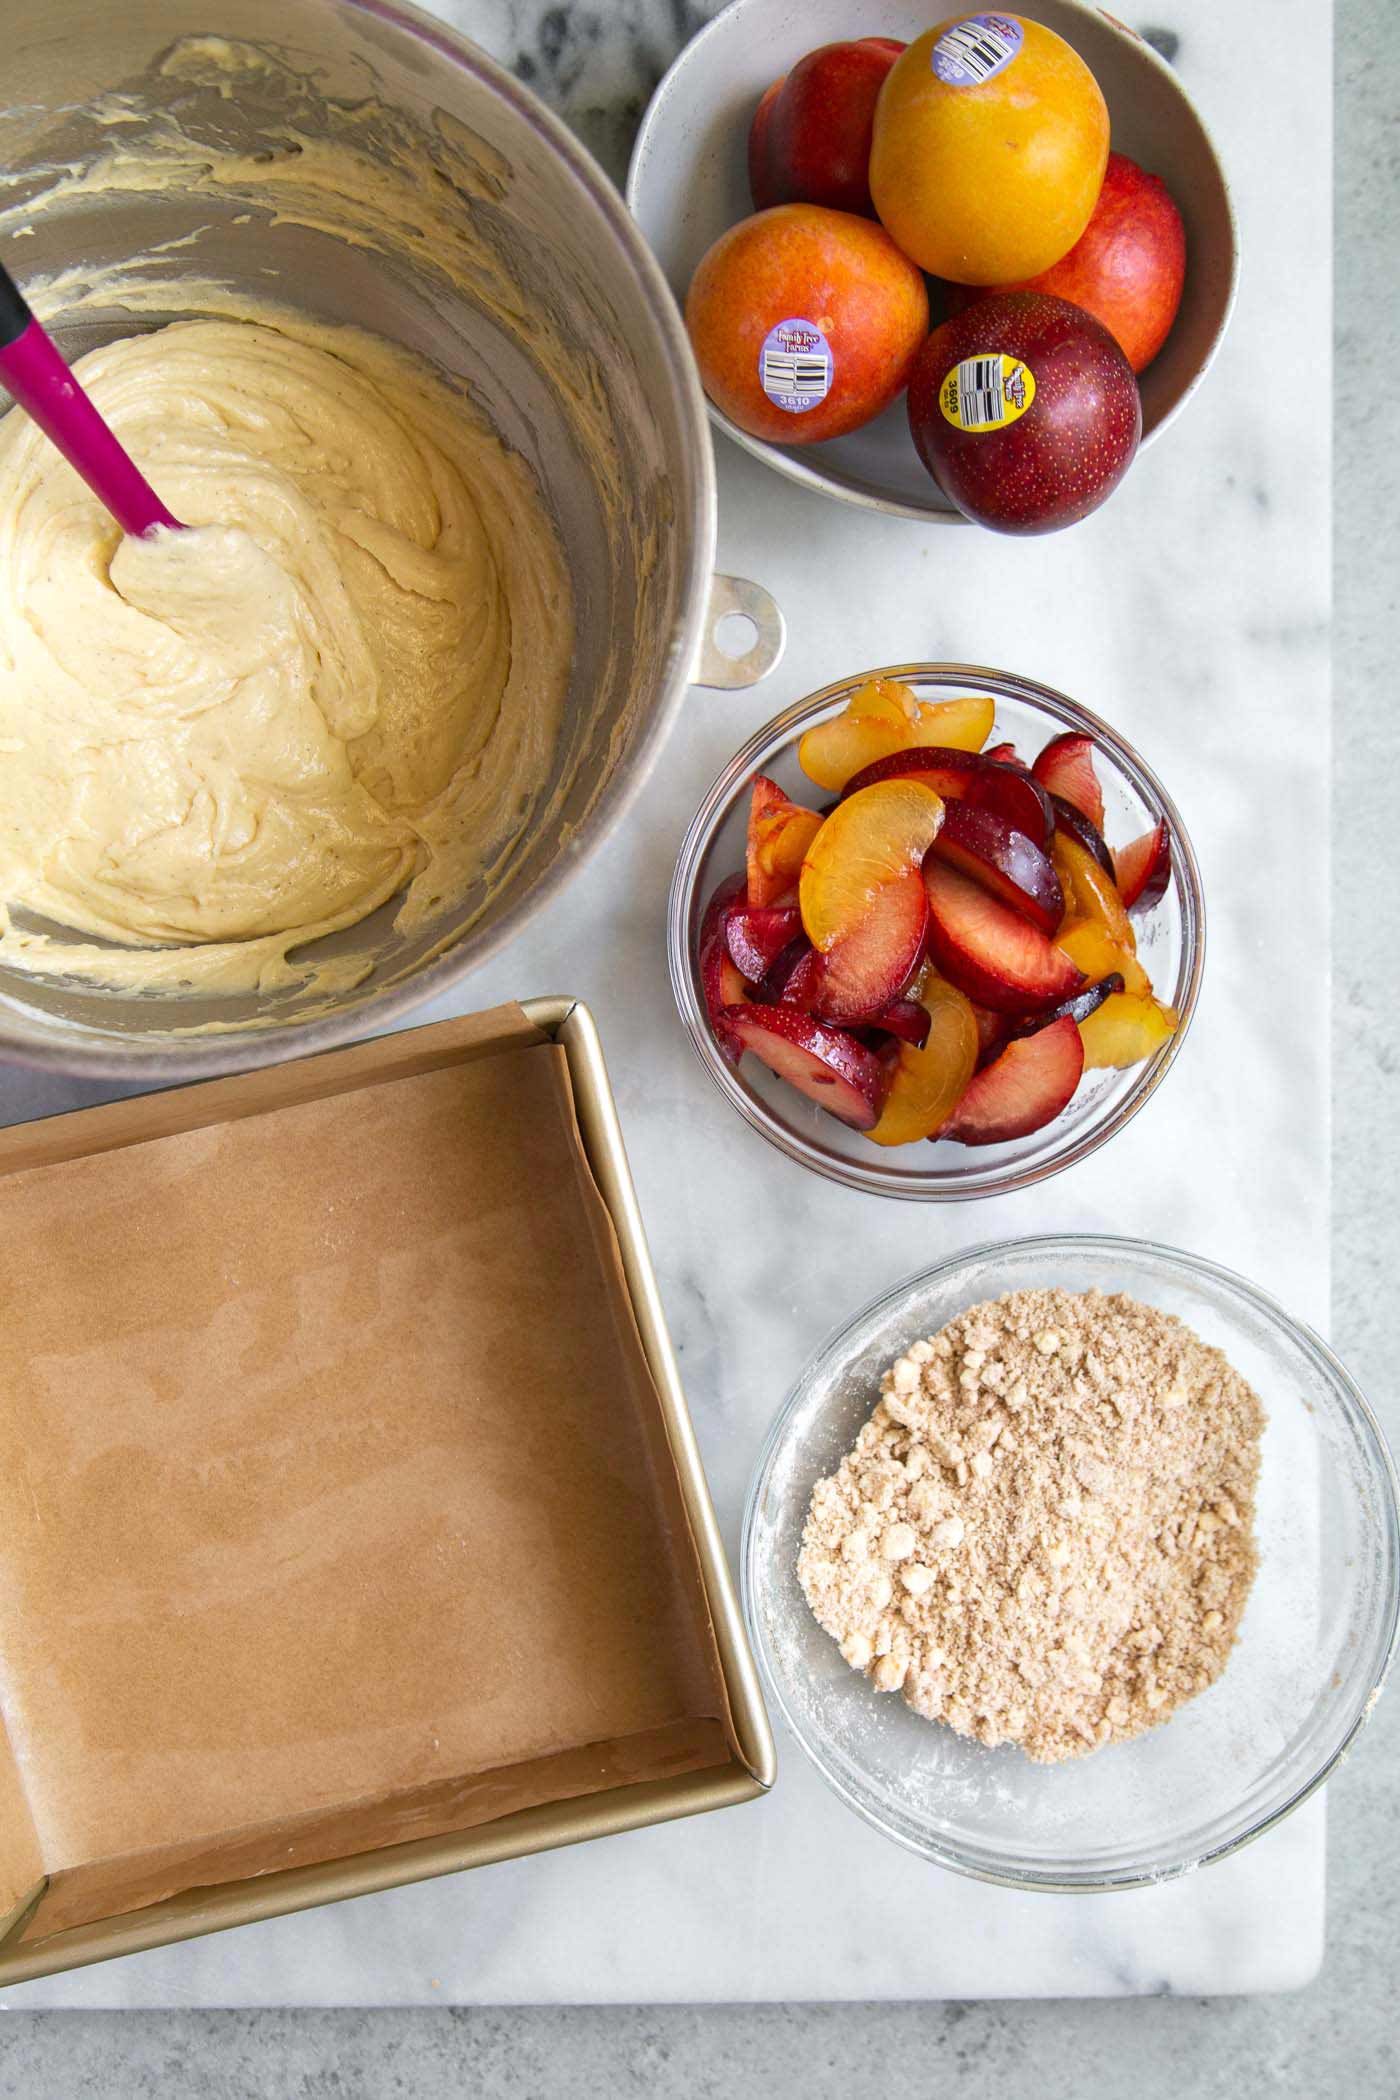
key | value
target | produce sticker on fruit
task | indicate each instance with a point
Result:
(795, 366)
(976, 49)
(986, 393)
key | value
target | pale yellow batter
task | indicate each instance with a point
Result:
(217, 745)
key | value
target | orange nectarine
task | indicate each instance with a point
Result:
(805, 322)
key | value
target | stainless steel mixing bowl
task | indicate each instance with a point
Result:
(487, 240)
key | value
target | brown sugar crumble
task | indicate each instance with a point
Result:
(1044, 1534)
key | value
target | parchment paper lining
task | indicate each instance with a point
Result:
(336, 1508)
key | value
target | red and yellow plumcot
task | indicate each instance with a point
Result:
(1127, 268)
(805, 322)
(989, 148)
(809, 142)
(1025, 411)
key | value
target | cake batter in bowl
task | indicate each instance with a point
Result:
(344, 683)
(381, 333)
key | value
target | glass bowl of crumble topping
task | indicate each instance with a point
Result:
(1106, 1587)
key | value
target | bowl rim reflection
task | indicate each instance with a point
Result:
(1354, 1407)
(874, 1177)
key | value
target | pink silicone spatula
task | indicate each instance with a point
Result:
(42, 384)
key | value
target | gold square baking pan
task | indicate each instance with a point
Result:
(352, 1525)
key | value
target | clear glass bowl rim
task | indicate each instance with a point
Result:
(873, 1177)
(1354, 1406)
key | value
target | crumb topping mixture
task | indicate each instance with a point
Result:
(1044, 1533)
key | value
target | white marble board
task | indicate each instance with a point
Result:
(1192, 612)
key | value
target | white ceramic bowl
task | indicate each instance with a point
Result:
(689, 181)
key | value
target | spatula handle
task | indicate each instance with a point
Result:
(35, 373)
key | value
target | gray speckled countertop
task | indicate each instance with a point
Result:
(1338, 2037)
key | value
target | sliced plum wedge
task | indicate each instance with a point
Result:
(967, 776)
(721, 981)
(989, 951)
(1066, 767)
(1014, 793)
(869, 841)
(999, 856)
(946, 771)
(779, 833)
(1078, 1008)
(795, 976)
(993, 1032)
(758, 936)
(724, 987)
(1066, 818)
(1031, 1083)
(878, 718)
(1089, 892)
(1127, 1029)
(907, 1019)
(929, 1077)
(1143, 869)
(866, 970)
(723, 899)
(825, 1064)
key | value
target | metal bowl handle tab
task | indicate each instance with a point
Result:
(731, 596)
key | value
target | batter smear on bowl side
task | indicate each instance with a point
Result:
(1044, 1534)
(345, 682)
